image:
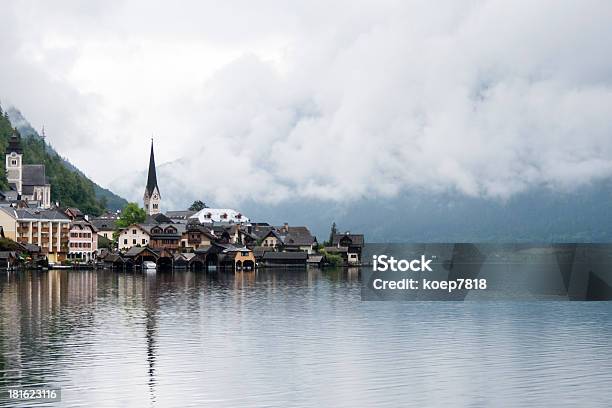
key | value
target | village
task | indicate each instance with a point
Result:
(37, 233)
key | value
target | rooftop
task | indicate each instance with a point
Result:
(35, 214)
(221, 215)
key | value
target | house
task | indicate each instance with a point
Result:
(288, 238)
(134, 235)
(165, 236)
(272, 240)
(43, 227)
(82, 241)
(353, 244)
(28, 180)
(285, 259)
(297, 238)
(74, 213)
(219, 216)
(106, 225)
(237, 258)
(196, 236)
(237, 234)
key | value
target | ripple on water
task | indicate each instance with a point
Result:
(291, 339)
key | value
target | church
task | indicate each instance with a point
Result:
(152, 197)
(29, 181)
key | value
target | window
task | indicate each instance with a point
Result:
(14, 162)
(134, 232)
(134, 241)
(144, 241)
(125, 241)
(155, 206)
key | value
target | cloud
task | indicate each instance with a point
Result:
(335, 100)
(486, 100)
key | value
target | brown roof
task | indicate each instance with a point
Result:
(356, 239)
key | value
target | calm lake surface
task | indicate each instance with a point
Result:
(291, 338)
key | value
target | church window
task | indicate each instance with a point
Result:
(155, 206)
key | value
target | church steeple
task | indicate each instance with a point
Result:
(152, 197)
(14, 144)
(14, 162)
(152, 177)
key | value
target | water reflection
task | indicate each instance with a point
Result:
(290, 337)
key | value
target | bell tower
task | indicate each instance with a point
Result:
(14, 161)
(152, 197)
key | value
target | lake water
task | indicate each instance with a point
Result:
(291, 339)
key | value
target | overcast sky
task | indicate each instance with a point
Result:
(329, 100)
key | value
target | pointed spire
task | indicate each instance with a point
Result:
(15, 142)
(152, 177)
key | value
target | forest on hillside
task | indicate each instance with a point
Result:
(69, 188)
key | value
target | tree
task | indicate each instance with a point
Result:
(131, 214)
(197, 206)
(333, 232)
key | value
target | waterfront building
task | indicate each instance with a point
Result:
(82, 241)
(157, 236)
(291, 239)
(237, 258)
(284, 259)
(28, 180)
(165, 236)
(45, 228)
(348, 245)
(152, 196)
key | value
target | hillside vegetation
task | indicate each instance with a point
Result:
(69, 187)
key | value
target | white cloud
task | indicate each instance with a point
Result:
(328, 100)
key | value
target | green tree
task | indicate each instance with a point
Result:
(197, 206)
(131, 214)
(333, 232)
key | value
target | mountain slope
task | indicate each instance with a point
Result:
(69, 186)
